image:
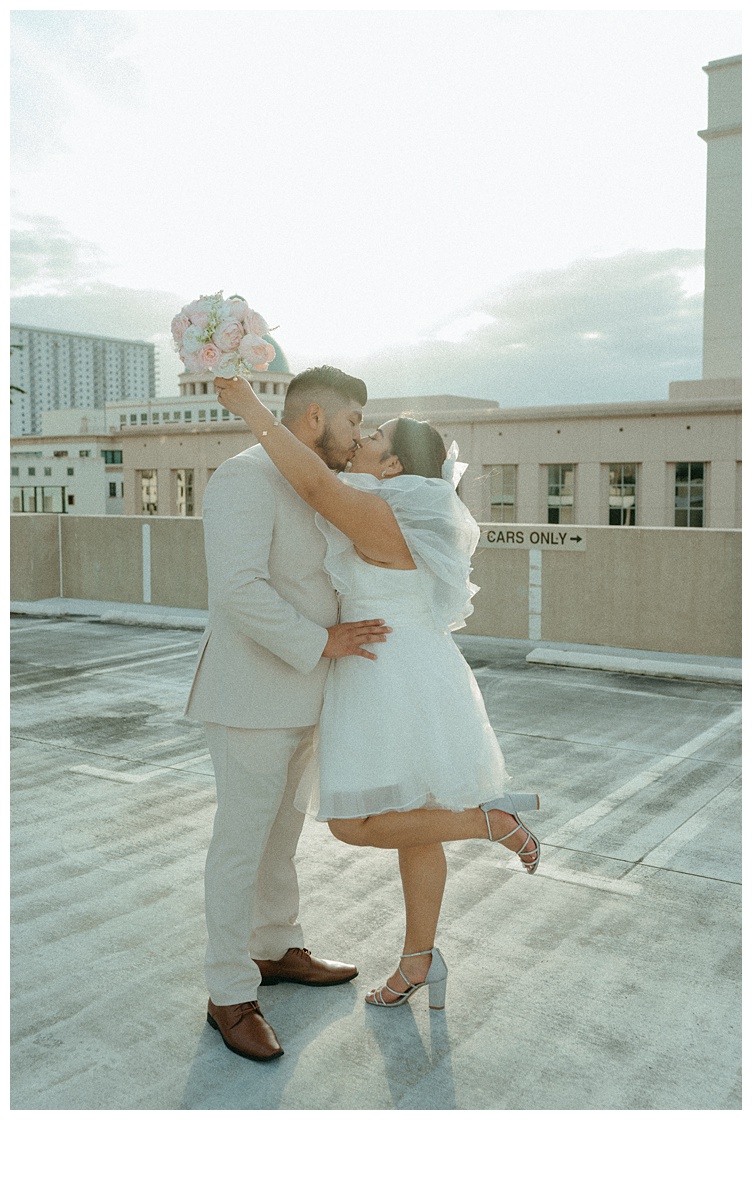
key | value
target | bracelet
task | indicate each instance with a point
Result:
(264, 432)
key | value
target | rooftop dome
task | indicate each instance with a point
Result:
(279, 362)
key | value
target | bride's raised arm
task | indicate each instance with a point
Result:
(366, 519)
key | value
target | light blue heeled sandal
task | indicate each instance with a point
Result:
(510, 803)
(435, 980)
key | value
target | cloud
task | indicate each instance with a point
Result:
(110, 311)
(56, 283)
(606, 329)
(45, 257)
(61, 60)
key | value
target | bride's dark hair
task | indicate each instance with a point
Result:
(419, 447)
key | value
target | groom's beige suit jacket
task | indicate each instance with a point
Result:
(270, 602)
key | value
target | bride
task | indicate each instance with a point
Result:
(399, 540)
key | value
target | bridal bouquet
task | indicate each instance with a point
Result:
(223, 337)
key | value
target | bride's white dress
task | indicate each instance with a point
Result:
(411, 729)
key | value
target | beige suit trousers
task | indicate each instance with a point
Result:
(251, 883)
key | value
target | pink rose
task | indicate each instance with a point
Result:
(228, 335)
(255, 323)
(179, 325)
(199, 313)
(256, 351)
(208, 356)
(191, 362)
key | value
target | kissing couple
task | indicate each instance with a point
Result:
(308, 567)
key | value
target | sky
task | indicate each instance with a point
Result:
(506, 204)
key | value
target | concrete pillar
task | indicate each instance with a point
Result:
(722, 328)
(587, 488)
(201, 476)
(530, 510)
(166, 492)
(654, 491)
(131, 493)
(720, 507)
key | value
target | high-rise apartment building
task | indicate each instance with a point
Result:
(57, 370)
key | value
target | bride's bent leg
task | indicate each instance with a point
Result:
(423, 871)
(419, 827)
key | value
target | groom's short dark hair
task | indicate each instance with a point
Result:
(301, 390)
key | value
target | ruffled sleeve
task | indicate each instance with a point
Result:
(439, 530)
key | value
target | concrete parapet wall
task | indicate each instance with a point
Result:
(672, 590)
(102, 555)
(34, 557)
(178, 567)
(669, 590)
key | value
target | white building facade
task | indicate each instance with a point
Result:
(57, 370)
(73, 466)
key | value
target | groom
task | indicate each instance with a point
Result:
(258, 688)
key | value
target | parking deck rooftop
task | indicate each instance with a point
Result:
(609, 980)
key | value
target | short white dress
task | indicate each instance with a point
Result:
(411, 729)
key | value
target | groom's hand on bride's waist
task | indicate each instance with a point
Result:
(352, 636)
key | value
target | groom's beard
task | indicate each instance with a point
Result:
(334, 458)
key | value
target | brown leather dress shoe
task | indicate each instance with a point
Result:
(299, 966)
(244, 1030)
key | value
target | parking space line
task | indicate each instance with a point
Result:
(140, 663)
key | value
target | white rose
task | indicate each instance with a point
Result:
(193, 339)
(227, 366)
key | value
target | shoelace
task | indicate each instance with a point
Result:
(244, 1008)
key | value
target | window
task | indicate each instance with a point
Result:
(84, 454)
(71, 470)
(123, 420)
(213, 414)
(112, 456)
(165, 416)
(113, 489)
(31, 470)
(184, 492)
(622, 494)
(225, 414)
(144, 418)
(689, 495)
(503, 483)
(148, 491)
(176, 416)
(561, 494)
(59, 453)
(202, 414)
(262, 387)
(47, 471)
(71, 500)
(155, 418)
(134, 419)
(187, 414)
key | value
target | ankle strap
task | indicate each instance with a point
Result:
(418, 953)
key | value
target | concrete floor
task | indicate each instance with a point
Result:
(610, 980)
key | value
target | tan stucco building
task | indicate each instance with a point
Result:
(666, 462)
